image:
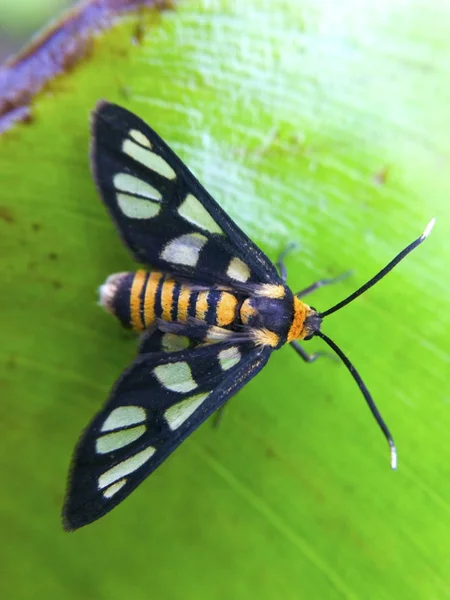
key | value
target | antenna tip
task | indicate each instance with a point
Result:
(393, 454)
(428, 228)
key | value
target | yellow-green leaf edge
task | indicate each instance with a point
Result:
(323, 123)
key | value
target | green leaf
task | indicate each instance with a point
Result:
(316, 122)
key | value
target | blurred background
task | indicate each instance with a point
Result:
(20, 19)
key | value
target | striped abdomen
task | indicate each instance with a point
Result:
(138, 299)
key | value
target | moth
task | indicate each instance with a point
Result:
(211, 309)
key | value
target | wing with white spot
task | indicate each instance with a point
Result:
(155, 340)
(165, 216)
(153, 407)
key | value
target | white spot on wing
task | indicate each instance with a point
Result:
(238, 270)
(229, 357)
(139, 137)
(125, 467)
(177, 414)
(193, 211)
(175, 376)
(124, 416)
(114, 488)
(149, 159)
(173, 343)
(184, 250)
(118, 439)
(125, 182)
(136, 208)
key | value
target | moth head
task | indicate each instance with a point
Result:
(312, 324)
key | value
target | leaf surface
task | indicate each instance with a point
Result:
(316, 122)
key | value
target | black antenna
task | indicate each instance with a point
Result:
(382, 273)
(368, 398)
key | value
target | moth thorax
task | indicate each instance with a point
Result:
(271, 314)
(114, 296)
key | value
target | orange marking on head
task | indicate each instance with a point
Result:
(149, 300)
(201, 305)
(226, 309)
(183, 303)
(271, 290)
(135, 300)
(247, 311)
(167, 298)
(296, 328)
(265, 337)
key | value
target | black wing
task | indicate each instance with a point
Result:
(153, 407)
(163, 213)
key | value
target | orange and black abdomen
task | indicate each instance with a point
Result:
(138, 299)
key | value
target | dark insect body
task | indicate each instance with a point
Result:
(270, 316)
(212, 311)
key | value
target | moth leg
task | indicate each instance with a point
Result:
(218, 415)
(303, 354)
(321, 283)
(280, 262)
(309, 358)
